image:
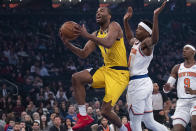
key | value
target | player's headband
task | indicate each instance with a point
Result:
(146, 27)
(190, 46)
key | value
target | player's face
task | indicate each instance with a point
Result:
(102, 15)
(187, 52)
(141, 33)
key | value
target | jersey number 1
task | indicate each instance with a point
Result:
(186, 83)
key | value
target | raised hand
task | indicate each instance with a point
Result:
(158, 10)
(129, 13)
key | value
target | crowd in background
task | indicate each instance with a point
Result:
(35, 61)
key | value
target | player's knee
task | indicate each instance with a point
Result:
(148, 124)
(75, 78)
(104, 112)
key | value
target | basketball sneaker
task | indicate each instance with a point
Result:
(82, 121)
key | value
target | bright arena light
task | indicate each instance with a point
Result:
(80, 0)
(104, 0)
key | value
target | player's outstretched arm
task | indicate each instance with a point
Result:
(172, 79)
(155, 29)
(82, 53)
(114, 30)
(128, 32)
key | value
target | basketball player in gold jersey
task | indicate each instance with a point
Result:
(113, 76)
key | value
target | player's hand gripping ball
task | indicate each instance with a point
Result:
(70, 30)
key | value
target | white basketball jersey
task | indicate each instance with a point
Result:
(138, 62)
(186, 79)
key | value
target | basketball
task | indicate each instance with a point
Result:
(67, 30)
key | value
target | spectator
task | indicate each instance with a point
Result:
(28, 122)
(44, 70)
(98, 115)
(71, 114)
(68, 124)
(57, 125)
(10, 125)
(43, 123)
(23, 126)
(4, 91)
(159, 99)
(18, 109)
(63, 110)
(51, 122)
(36, 117)
(103, 126)
(61, 95)
(36, 126)
(90, 112)
(16, 127)
(2, 119)
(23, 114)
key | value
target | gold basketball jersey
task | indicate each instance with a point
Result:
(116, 55)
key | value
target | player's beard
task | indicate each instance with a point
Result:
(102, 21)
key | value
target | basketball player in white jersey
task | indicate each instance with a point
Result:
(140, 88)
(185, 74)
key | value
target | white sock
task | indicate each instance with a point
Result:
(82, 110)
(123, 128)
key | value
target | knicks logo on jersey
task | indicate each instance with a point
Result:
(182, 74)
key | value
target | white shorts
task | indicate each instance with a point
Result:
(139, 96)
(185, 108)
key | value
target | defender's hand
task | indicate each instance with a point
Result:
(129, 13)
(158, 10)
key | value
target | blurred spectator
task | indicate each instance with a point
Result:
(4, 91)
(36, 126)
(97, 105)
(103, 126)
(71, 114)
(2, 119)
(51, 122)
(68, 124)
(16, 127)
(28, 122)
(43, 123)
(23, 126)
(98, 115)
(36, 117)
(18, 109)
(57, 125)
(63, 110)
(61, 95)
(159, 99)
(90, 112)
(10, 125)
